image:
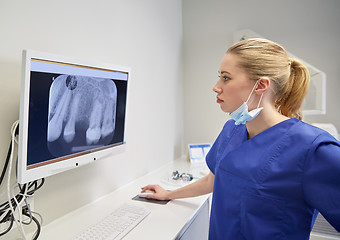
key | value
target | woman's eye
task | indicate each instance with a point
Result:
(224, 78)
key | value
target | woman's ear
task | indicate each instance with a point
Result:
(262, 85)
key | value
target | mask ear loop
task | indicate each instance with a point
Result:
(260, 101)
(251, 92)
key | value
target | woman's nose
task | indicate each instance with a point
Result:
(216, 89)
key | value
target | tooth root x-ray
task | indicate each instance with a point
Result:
(82, 112)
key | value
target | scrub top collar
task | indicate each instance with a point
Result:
(260, 138)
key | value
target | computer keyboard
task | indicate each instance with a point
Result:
(116, 224)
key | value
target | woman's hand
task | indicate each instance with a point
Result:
(159, 192)
(202, 186)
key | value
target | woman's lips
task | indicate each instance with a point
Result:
(219, 100)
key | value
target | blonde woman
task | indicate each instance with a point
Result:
(270, 172)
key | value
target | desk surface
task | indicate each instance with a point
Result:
(164, 221)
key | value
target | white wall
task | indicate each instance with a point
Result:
(309, 29)
(145, 35)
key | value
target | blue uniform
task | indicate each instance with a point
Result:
(267, 187)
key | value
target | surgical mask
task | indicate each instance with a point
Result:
(242, 115)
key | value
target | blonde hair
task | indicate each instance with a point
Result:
(264, 58)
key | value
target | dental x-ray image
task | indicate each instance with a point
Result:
(81, 114)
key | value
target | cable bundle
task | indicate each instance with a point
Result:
(16, 207)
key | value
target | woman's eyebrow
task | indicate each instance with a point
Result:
(221, 72)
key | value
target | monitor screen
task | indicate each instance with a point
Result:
(72, 113)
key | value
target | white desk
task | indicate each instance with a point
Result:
(178, 219)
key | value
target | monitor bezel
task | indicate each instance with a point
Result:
(24, 174)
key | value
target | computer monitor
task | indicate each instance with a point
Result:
(72, 112)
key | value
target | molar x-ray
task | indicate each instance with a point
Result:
(82, 113)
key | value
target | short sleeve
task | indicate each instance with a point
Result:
(213, 157)
(321, 181)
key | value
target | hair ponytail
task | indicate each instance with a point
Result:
(295, 90)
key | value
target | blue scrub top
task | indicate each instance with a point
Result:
(267, 187)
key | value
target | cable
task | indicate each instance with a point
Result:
(7, 158)
(17, 203)
(37, 233)
(9, 227)
(6, 163)
(18, 223)
(26, 190)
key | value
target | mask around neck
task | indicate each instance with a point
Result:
(242, 115)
